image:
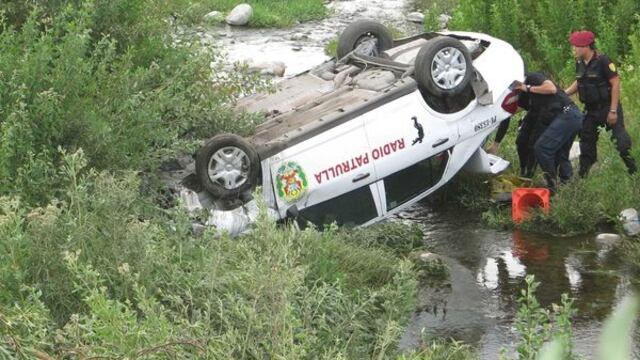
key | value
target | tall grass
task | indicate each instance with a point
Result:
(540, 29)
(119, 17)
(93, 95)
(126, 103)
(266, 13)
(102, 272)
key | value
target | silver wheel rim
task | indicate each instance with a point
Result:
(229, 167)
(448, 68)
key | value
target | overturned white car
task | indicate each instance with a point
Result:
(361, 137)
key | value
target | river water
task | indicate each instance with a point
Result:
(302, 46)
(487, 267)
(487, 273)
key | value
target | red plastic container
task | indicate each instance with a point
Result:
(524, 199)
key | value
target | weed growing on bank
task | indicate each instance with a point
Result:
(539, 29)
(266, 13)
(535, 325)
(102, 272)
(126, 104)
(118, 17)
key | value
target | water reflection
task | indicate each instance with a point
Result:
(488, 270)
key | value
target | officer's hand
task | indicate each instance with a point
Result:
(493, 148)
(612, 119)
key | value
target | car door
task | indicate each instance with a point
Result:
(327, 177)
(403, 133)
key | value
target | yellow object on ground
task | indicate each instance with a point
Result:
(503, 185)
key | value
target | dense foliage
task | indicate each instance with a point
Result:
(83, 77)
(104, 273)
(93, 94)
(539, 30)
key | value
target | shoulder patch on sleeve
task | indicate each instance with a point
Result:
(612, 67)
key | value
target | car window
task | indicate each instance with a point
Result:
(403, 185)
(353, 208)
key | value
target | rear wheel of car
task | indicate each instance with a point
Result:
(367, 37)
(443, 66)
(227, 166)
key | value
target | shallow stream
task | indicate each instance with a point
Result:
(302, 46)
(487, 273)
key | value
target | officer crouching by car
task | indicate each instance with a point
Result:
(564, 120)
(529, 130)
(598, 86)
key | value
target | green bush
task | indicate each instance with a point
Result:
(102, 272)
(536, 325)
(539, 29)
(64, 88)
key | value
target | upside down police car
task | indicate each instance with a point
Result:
(362, 136)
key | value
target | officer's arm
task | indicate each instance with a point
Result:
(615, 92)
(572, 89)
(547, 87)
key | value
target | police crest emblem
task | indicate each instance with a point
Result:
(291, 182)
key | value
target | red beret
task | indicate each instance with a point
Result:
(581, 38)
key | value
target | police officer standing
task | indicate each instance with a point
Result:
(598, 86)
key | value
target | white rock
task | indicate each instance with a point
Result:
(606, 239)
(416, 17)
(443, 20)
(275, 68)
(190, 200)
(198, 229)
(632, 228)
(630, 214)
(240, 15)
(214, 17)
(233, 221)
(427, 257)
(185, 161)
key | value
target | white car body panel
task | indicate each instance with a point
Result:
(379, 142)
(376, 144)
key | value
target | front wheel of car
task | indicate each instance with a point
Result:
(227, 166)
(443, 66)
(366, 37)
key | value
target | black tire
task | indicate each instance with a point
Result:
(353, 35)
(424, 66)
(220, 150)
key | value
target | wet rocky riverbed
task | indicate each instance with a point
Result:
(302, 46)
(487, 272)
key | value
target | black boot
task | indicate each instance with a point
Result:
(583, 171)
(551, 184)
